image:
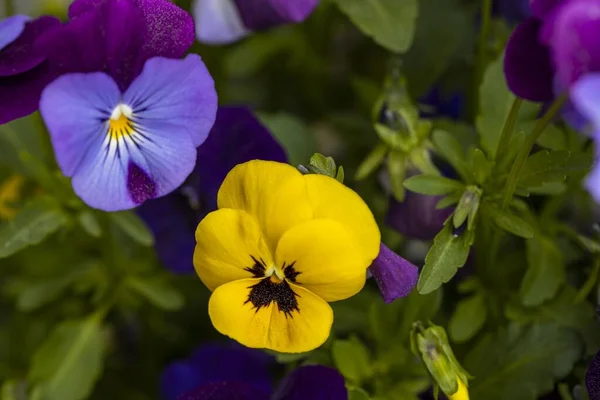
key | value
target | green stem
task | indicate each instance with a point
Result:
(515, 171)
(509, 126)
(8, 8)
(486, 18)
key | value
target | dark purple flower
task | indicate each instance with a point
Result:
(513, 10)
(417, 217)
(219, 366)
(125, 147)
(394, 276)
(23, 68)
(314, 382)
(236, 137)
(592, 378)
(225, 21)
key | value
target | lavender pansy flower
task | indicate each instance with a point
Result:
(125, 147)
(225, 21)
(23, 68)
(395, 276)
(585, 95)
(236, 137)
(216, 365)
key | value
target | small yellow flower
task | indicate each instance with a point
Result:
(280, 247)
(10, 192)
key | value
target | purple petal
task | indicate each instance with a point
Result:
(541, 8)
(140, 185)
(265, 14)
(592, 182)
(394, 276)
(171, 28)
(236, 137)
(218, 362)
(592, 378)
(575, 40)
(178, 92)
(11, 28)
(417, 217)
(514, 10)
(108, 38)
(20, 94)
(225, 391)
(218, 22)
(527, 63)
(585, 96)
(314, 382)
(21, 55)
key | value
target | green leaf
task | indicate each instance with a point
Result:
(372, 162)
(69, 362)
(432, 185)
(157, 292)
(41, 293)
(447, 254)
(552, 138)
(89, 223)
(352, 359)
(133, 226)
(481, 168)
(36, 221)
(355, 393)
(449, 148)
(553, 166)
(510, 222)
(293, 134)
(468, 318)
(396, 163)
(251, 55)
(391, 23)
(546, 272)
(495, 103)
(521, 363)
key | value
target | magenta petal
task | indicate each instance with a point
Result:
(21, 55)
(541, 8)
(171, 28)
(264, 14)
(527, 63)
(394, 276)
(575, 40)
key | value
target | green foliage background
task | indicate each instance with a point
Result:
(86, 311)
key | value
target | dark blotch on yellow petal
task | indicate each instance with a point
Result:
(267, 291)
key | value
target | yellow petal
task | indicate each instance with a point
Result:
(331, 199)
(274, 193)
(226, 242)
(302, 329)
(462, 393)
(327, 259)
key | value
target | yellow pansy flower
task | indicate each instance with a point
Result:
(462, 393)
(10, 192)
(280, 246)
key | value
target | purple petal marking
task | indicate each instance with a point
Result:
(265, 14)
(180, 92)
(417, 217)
(11, 28)
(140, 185)
(21, 54)
(527, 64)
(314, 382)
(171, 28)
(592, 378)
(218, 362)
(225, 391)
(108, 38)
(575, 40)
(236, 137)
(218, 22)
(394, 276)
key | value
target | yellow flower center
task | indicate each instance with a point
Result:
(120, 123)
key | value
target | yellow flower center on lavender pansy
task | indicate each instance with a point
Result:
(120, 123)
(280, 246)
(10, 191)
